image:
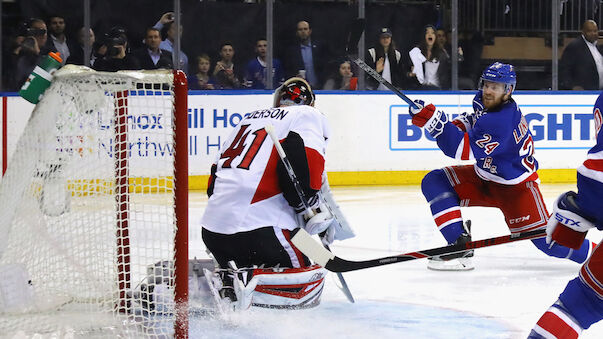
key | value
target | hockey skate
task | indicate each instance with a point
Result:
(231, 288)
(460, 261)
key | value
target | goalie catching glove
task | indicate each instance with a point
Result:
(427, 116)
(567, 226)
(319, 222)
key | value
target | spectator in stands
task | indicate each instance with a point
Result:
(581, 65)
(430, 63)
(343, 79)
(465, 81)
(32, 49)
(255, 73)
(10, 56)
(225, 72)
(307, 58)
(387, 61)
(202, 79)
(77, 51)
(116, 53)
(57, 38)
(166, 24)
(150, 55)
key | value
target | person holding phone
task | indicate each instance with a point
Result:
(32, 49)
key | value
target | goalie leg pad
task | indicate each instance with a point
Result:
(292, 288)
(280, 288)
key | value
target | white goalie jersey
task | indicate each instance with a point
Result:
(246, 192)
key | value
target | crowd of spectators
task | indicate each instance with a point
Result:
(426, 65)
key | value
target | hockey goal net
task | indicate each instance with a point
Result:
(93, 212)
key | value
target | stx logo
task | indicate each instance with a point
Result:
(520, 219)
(567, 221)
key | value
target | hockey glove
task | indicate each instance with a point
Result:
(320, 221)
(428, 117)
(566, 226)
(464, 121)
(422, 113)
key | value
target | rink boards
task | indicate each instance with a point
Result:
(373, 140)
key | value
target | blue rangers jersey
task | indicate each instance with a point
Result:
(590, 174)
(500, 142)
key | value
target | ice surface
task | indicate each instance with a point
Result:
(510, 288)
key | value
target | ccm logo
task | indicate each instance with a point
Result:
(520, 219)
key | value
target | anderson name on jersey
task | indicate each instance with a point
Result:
(499, 141)
(246, 192)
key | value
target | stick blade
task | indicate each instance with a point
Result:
(356, 30)
(312, 249)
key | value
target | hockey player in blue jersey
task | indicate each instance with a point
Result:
(497, 137)
(581, 303)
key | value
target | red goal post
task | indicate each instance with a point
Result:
(94, 212)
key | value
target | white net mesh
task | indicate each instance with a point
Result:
(87, 223)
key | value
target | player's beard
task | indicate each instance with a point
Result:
(492, 101)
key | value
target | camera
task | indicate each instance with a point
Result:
(29, 43)
(115, 37)
(32, 32)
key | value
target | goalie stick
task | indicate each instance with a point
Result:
(300, 193)
(304, 242)
(353, 38)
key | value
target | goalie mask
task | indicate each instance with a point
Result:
(295, 91)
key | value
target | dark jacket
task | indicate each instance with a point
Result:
(577, 66)
(320, 58)
(107, 64)
(77, 55)
(165, 59)
(397, 66)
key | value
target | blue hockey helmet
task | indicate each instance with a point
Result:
(501, 73)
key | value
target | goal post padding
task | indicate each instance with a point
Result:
(94, 208)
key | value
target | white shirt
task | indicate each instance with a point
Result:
(246, 193)
(154, 55)
(387, 74)
(425, 70)
(430, 68)
(592, 47)
(168, 46)
(61, 47)
(418, 59)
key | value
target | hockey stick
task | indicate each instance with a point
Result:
(300, 193)
(304, 242)
(353, 38)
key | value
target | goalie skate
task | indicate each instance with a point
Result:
(461, 261)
